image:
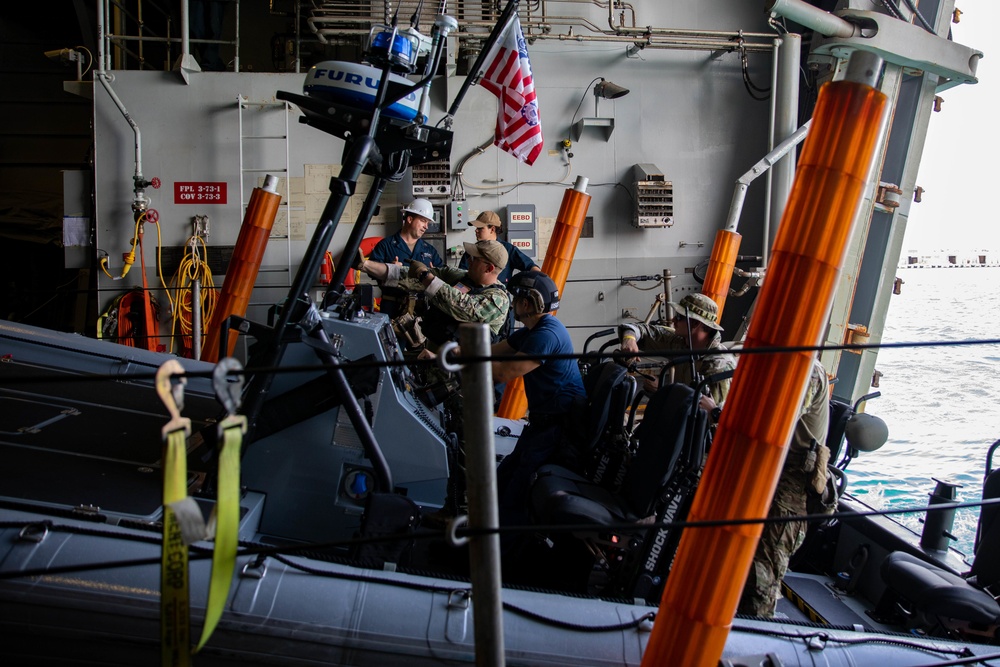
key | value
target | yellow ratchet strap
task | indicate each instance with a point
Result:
(175, 621)
(228, 390)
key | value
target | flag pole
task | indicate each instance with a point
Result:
(474, 74)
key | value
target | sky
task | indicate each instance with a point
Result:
(960, 168)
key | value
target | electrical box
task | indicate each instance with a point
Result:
(653, 196)
(521, 228)
(431, 179)
(457, 217)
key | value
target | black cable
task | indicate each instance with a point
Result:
(920, 17)
(893, 9)
(752, 88)
(468, 359)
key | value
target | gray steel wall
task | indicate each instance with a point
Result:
(688, 113)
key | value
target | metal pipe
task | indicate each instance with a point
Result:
(101, 36)
(812, 17)
(786, 97)
(236, 58)
(765, 163)
(668, 290)
(105, 79)
(185, 28)
(480, 471)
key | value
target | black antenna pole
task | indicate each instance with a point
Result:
(473, 78)
(415, 19)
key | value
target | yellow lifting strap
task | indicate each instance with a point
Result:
(228, 389)
(182, 520)
(175, 619)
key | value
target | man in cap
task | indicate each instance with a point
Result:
(488, 228)
(695, 327)
(454, 295)
(405, 246)
(553, 387)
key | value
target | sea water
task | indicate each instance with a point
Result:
(941, 404)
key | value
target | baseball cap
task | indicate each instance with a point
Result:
(486, 219)
(492, 251)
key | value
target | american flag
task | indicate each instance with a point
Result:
(506, 72)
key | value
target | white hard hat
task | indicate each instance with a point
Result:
(420, 207)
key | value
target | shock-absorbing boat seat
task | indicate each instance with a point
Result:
(561, 496)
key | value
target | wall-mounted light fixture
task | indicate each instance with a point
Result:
(603, 90)
(77, 55)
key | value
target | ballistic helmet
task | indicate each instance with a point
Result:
(420, 207)
(538, 287)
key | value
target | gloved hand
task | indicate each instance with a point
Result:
(416, 268)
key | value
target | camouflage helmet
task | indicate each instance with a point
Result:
(699, 307)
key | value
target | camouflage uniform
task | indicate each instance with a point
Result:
(456, 299)
(461, 302)
(800, 472)
(655, 338)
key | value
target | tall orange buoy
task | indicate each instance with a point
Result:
(558, 259)
(705, 583)
(244, 265)
(720, 267)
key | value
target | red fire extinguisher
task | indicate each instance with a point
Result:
(326, 269)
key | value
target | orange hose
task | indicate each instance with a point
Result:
(243, 268)
(720, 267)
(151, 326)
(700, 598)
(558, 259)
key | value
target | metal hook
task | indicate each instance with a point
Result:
(172, 394)
(228, 388)
(443, 356)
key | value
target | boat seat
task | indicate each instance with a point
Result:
(658, 484)
(930, 597)
(561, 496)
(600, 448)
(934, 590)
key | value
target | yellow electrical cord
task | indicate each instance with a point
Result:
(192, 267)
(129, 259)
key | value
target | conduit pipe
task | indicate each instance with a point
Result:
(837, 163)
(558, 259)
(105, 80)
(812, 17)
(784, 121)
(243, 267)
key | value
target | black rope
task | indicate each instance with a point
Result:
(250, 549)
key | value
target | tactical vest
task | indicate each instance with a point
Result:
(439, 327)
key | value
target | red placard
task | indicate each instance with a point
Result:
(200, 192)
